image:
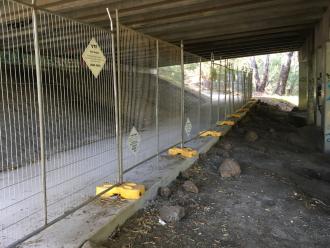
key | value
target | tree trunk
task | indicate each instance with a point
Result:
(256, 73)
(264, 81)
(284, 74)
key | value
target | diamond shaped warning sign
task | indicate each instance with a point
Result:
(188, 127)
(134, 140)
(94, 57)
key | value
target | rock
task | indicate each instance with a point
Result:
(165, 192)
(189, 186)
(245, 120)
(272, 130)
(251, 136)
(226, 145)
(229, 168)
(171, 213)
(185, 174)
(295, 139)
(225, 154)
(240, 130)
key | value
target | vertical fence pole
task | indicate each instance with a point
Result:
(182, 95)
(157, 99)
(40, 111)
(115, 91)
(226, 78)
(200, 93)
(233, 88)
(230, 88)
(219, 89)
(120, 146)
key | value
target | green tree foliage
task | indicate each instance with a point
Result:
(276, 61)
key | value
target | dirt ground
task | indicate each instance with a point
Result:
(281, 199)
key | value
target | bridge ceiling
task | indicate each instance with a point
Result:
(229, 28)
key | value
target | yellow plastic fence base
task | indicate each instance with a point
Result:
(210, 134)
(236, 115)
(226, 123)
(243, 110)
(128, 190)
(185, 152)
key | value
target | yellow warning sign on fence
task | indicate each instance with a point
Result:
(94, 57)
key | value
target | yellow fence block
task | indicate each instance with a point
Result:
(128, 190)
(210, 134)
(185, 152)
(236, 115)
(225, 123)
(243, 110)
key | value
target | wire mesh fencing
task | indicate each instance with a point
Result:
(79, 111)
(206, 96)
(57, 118)
(170, 83)
(192, 96)
(74, 116)
(138, 83)
(21, 197)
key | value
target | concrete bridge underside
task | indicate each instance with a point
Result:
(231, 28)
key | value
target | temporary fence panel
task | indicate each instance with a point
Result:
(58, 106)
(138, 78)
(21, 196)
(226, 90)
(222, 90)
(79, 110)
(214, 94)
(206, 96)
(235, 89)
(170, 82)
(230, 90)
(192, 95)
(239, 88)
(244, 87)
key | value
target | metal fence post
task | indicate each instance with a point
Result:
(200, 93)
(40, 111)
(232, 89)
(115, 89)
(157, 99)
(182, 95)
(230, 76)
(120, 146)
(226, 89)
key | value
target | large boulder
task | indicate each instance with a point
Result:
(229, 168)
